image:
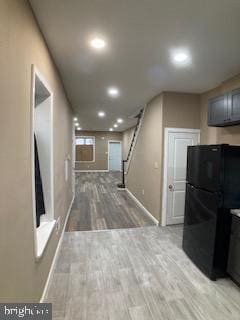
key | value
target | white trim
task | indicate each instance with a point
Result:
(165, 166)
(91, 171)
(56, 254)
(94, 147)
(116, 141)
(44, 232)
(36, 73)
(142, 207)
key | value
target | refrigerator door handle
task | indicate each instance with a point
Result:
(220, 199)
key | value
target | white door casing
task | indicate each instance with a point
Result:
(175, 162)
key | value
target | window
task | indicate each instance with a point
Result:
(85, 149)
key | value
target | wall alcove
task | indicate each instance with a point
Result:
(42, 161)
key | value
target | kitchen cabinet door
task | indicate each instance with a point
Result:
(234, 106)
(218, 112)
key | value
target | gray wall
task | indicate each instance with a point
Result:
(181, 110)
(22, 279)
(143, 180)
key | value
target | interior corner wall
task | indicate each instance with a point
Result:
(101, 149)
(213, 135)
(22, 279)
(170, 109)
(145, 169)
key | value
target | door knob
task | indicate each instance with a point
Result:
(170, 187)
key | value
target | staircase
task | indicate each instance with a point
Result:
(139, 117)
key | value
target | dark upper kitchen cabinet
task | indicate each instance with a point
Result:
(218, 110)
(234, 105)
(224, 110)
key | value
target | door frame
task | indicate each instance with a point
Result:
(165, 166)
(116, 141)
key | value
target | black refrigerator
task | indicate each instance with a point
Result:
(213, 188)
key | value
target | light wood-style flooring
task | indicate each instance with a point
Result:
(100, 205)
(135, 274)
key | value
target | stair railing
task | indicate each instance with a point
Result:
(134, 137)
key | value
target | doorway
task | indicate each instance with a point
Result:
(176, 141)
(114, 155)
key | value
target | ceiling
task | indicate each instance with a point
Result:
(140, 35)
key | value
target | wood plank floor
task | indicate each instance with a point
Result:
(100, 205)
(135, 274)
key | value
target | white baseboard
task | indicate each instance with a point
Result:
(142, 206)
(91, 171)
(56, 254)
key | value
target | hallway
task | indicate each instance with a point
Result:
(90, 88)
(134, 274)
(100, 205)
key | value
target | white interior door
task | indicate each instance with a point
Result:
(177, 141)
(115, 156)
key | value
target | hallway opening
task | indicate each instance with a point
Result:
(100, 205)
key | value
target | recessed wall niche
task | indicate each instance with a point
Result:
(42, 161)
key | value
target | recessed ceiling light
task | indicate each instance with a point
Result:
(113, 92)
(79, 128)
(110, 129)
(115, 125)
(77, 124)
(75, 119)
(119, 120)
(181, 57)
(98, 43)
(101, 114)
